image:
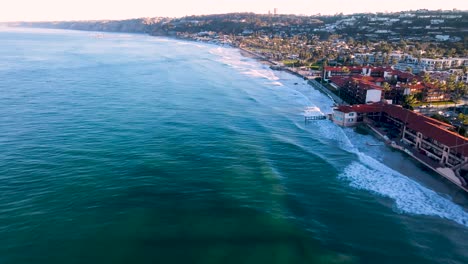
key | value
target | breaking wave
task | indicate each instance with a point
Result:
(409, 196)
(367, 173)
(231, 57)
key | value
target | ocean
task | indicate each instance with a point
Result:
(137, 149)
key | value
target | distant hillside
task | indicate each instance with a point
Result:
(140, 25)
(420, 25)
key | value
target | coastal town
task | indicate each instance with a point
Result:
(403, 76)
(222, 131)
(410, 96)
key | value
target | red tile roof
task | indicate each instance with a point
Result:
(363, 108)
(444, 136)
(429, 127)
(364, 83)
(339, 80)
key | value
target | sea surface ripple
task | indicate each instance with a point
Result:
(130, 148)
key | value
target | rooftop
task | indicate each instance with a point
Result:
(429, 127)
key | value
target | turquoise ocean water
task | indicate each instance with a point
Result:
(136, 149)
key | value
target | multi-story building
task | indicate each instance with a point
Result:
(360, 91)
(356, 84)
(437, 64)
(434, 138)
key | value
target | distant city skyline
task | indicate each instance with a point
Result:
(55, 10)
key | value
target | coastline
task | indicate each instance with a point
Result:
(415, 160)
(338, 101)
(262, 59)
(446, 173)
(256, 56)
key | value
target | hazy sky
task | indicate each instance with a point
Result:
(37, 10)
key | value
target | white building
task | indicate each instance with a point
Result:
(344, 118)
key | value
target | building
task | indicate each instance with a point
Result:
(361, 85)
(437, 64)
(360, 91)
(348, 116)
(430, 137)
(341, 71)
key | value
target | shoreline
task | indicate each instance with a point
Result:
(311, 82)
(445, 172)
(440, 171)
(337, 101)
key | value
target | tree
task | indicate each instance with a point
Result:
(408, 101)
(427, 78)
(386, 88)
(386, 59)
(451, 83)
(460, 90)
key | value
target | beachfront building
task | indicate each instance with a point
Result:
(433, 138)
(344, 118)
(356, 90)
(348, 116)
(431, 142)
(392, 84)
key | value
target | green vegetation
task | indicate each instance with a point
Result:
(292, 63)
(441, 118)
(463, 118)
(311, 39)
(458, 129)
(443, 103)
(409, 101)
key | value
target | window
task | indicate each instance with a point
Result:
(351, 120)
(351, 114)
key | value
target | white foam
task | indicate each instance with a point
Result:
(409, 196)
(260, 73)
(276, 84)
(366, 173)
(250, 67)
(330, 131)
(370, 174)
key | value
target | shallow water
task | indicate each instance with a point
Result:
(139, 149)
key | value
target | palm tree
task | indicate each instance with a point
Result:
(386, 59)
(408, 101)
(460, 90)
(451, 83)
(427, 78)
(386, 88)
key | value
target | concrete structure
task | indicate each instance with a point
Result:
(435, 138)
(373, 95)
(424, 138)
(344, 119)
(357, 90)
